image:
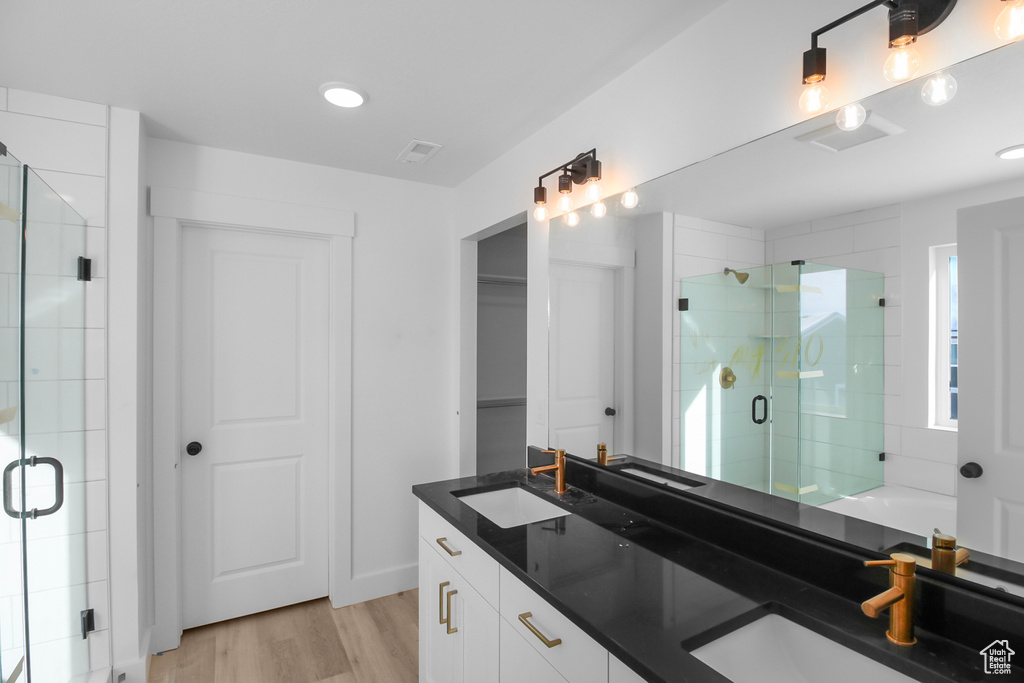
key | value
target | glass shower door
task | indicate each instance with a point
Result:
(12, 558)
(724, 377)
(43, 582)
(54, 438)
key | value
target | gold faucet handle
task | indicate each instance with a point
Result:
(899, 563)
(557, 453)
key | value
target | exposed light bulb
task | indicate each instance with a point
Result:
(938, 89)
(1010, 22)
(630, 199)
(851, 117)
(540, 213)
(593, 193)
(902, 64)
(572, 219)
(598, 210)
(564, 203)
(814, 99)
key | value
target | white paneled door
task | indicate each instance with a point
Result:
(254, 421)
(990, 498)
(581, 363)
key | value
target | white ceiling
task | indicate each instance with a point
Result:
(476, 76)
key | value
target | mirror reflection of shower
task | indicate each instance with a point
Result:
(742, 277)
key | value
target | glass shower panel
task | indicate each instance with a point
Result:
(12, 602)
(842, 379)
(786, 349)
(724, 376)
(54, 383)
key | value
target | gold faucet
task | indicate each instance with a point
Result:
(946, 557)
(603, 458)
(899, 598)
(558, 468)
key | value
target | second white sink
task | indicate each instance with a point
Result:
(513, 507)
(774, 649)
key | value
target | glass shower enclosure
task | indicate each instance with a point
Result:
(782, 379)
(43, 583)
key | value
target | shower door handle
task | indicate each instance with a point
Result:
(58, 479)
(753, 410)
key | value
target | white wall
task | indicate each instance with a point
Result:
(403, 335)
(65, 142)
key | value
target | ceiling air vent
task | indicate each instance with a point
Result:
(418, 152)
(835, 140)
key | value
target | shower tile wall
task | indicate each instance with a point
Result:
(705, 247)
(65, 142)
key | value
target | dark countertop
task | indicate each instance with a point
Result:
(648, 593)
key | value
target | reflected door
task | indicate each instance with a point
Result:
(990, 499)
(582, 358)
(254, 417)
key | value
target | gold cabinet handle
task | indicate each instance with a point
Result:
(524, 617)
(440, 603)
(451, 629)
(453, 553)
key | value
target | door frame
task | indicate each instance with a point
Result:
(622, 262)
(172, 209)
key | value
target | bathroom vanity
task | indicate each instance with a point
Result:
(658, 576)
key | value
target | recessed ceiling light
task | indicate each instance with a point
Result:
(1015, 152)
(342, 94)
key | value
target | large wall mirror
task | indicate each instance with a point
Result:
(792, 316)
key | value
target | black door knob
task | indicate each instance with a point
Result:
(194, 448)
(610, 412)
(971, 470)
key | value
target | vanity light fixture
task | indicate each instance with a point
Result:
(1010, 22)
(908, 19)
(1011, 153)
(343, 95)
(585, 169)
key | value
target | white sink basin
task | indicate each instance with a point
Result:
(774, 649)
(513, 507)
(654, 477)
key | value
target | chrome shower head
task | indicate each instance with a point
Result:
(742, 277)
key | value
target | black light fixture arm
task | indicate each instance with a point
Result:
(568, 166)
(891, 4)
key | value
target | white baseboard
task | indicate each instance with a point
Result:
(379, 584)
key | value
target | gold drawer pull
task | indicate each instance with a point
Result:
(451, 629)
(440, 603)
(453, 553)
(533, 629)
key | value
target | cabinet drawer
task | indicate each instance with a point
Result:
(466, 557)
(520, 662)
(578, 657)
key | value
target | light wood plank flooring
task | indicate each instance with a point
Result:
(372, 642)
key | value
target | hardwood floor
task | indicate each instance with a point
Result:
(371, 642)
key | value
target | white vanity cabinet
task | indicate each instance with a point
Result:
(550, 634)
(480, 624)
(458, 626)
